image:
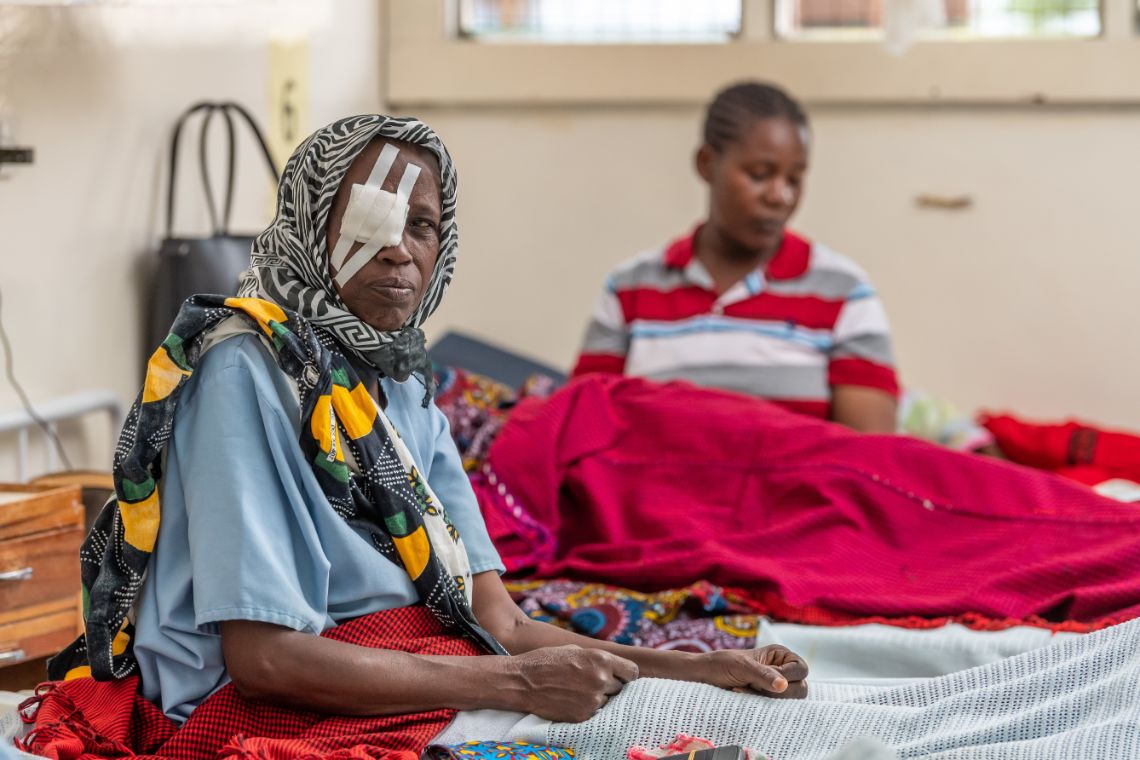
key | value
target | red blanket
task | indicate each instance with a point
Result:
(85, 718)
(654, 487)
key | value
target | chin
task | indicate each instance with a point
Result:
(772, 244)
(382, 319)
(391, 324)
(753, 243)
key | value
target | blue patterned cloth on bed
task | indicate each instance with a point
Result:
(497, 751)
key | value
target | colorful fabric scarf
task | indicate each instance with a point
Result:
(289, 261)
(379, 487)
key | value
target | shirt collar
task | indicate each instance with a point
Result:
(791, 260)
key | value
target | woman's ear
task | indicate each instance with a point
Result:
(703, 162)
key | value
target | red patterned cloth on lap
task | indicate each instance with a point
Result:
(84, 718)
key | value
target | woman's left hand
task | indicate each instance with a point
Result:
(773, 671)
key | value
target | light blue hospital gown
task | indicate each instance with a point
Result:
(247, 534)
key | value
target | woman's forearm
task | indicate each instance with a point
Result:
(528, 635)
(770, 670)
(773, 670)
(282, 666)
(519, 634)
(274, 664)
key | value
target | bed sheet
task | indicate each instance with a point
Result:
(1078, 698)
(886, 654)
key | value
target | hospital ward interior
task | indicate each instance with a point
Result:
(569, 379)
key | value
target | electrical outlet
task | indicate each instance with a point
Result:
(289, 100)
(288, 96)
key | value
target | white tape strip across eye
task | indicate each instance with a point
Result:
(374, 216)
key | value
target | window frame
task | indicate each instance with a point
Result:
(455, 71)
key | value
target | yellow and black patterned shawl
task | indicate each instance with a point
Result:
(384, 489)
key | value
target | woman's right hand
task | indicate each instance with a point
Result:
(567, 684)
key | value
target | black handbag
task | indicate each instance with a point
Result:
(190, 265)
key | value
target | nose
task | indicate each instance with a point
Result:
(778, 192)
(396, 255)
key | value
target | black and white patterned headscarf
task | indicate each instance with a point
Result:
(289, 262)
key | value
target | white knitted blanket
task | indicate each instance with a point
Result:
(1078, 698)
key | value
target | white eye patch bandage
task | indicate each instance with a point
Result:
(374, 216)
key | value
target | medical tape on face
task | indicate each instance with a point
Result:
(389, 231)
(374, 216)
(352, 225)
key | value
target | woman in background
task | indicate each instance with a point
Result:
(742, 303)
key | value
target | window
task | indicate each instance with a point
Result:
(985, 68)
(600, 21)
(966, 19)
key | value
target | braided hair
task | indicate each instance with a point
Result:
(736, 106)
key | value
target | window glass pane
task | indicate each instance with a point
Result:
(963, 18)
(600, 21)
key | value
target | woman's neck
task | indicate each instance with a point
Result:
(727, 262)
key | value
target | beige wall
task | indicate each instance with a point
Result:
(95, 91)
(1029, 300)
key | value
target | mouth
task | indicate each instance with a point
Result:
(395, 289)
(768, 226)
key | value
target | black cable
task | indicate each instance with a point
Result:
(11, 372)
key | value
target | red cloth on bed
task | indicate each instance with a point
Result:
(1081, 452)
(656, 486)
(85, 718)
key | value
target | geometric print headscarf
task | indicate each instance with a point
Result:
(289, 261)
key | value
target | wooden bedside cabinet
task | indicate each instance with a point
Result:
(41, 528)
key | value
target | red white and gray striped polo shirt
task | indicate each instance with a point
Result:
(790, 331)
